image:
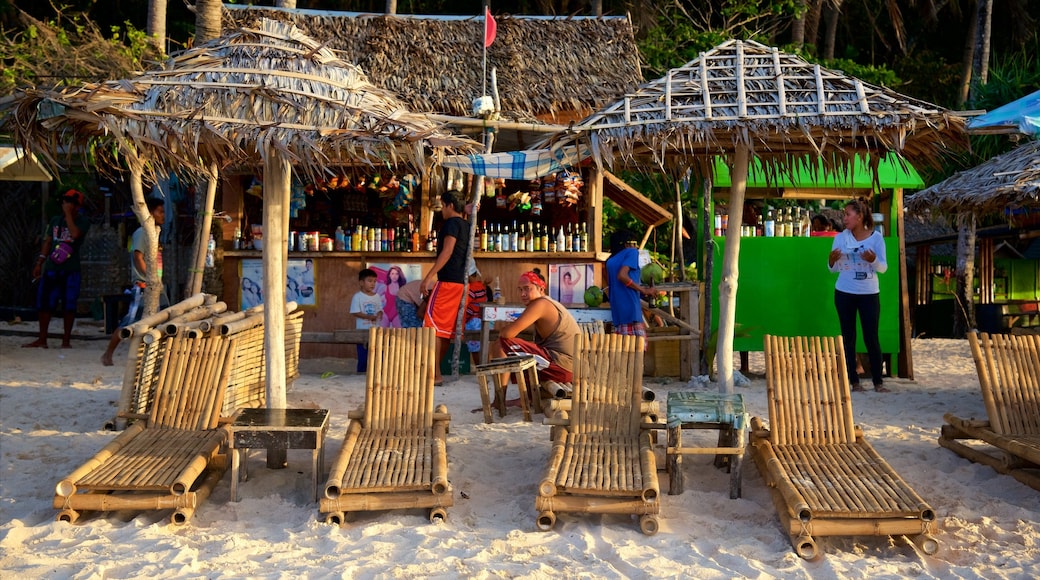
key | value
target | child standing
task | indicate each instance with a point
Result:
(477, 293)
(367, 308)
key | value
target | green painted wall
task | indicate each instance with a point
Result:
(785, 288)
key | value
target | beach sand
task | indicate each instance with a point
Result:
(54, 403)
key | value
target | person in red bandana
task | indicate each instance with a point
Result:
(554, 331)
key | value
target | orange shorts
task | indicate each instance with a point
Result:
(442, 310)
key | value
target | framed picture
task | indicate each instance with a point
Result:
(300, 286)
(568, 282)
(389, 279)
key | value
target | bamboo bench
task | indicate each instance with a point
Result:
(1008, 367)
(825, 479)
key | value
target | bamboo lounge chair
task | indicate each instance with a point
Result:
(394, 453)
(825, 479)
(173, 460)
(602, 458)
(1009, 375)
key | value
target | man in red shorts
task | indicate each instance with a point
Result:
(554, 331)
(445, 283)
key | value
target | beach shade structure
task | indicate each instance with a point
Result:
(744, 100)
(1006, 183)
(265, 98)
(602, 460)
(825, 478)
(394, 454)
(1009, 377)
(1019, 116)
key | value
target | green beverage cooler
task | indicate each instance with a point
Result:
(785, 288)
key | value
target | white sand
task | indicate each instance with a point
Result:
(53, 404)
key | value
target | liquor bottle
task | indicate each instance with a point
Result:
(431, 241)
(530, 237)
(522, 238)
(415, 239)
(341, 239)
(545, 238)
(770, 225)
(514, 238)
(568, 239)
(575, 239)
(496, 292)
(536, 239)
(561, 242)
(484, 238)
(584, 238)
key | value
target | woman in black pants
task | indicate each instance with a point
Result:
(858, 256)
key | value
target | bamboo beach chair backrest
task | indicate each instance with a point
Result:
(807, 388)
(593, 327)
(399, 383)
(1009, 374)
(608, 381)
(190, 390)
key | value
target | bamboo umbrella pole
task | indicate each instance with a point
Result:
(730, 272)
(202, 233)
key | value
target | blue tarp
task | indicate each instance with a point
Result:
(1022, 115)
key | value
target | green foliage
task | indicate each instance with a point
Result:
(876, 75)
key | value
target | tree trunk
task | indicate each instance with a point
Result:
(157, 24)
(709, 264)
(833, 16)
(812, 23)
(968, 60)
(154, 283)
(964, 315)
(980, 62)
(291, 4)
(798, 24)
(730, 269)
(207, 20)
(391, 6)
(203, 223)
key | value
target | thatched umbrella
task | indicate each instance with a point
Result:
(1004, 185)
(743, 98)
(267, 97)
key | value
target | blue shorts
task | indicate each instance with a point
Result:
(137, 305)
(55, 287)
(408, 314)
(473, 324)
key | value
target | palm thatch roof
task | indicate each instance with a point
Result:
(550, 69)
(233, 101)
(1008, 181)
(781, 107)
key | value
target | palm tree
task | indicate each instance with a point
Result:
(157, 24)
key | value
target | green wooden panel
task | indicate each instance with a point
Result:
(809, 173)
(784, 288)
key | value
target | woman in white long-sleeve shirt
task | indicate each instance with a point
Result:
(858, 256)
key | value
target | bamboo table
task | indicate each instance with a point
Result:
(526, 371)
(278, 429)
(692, 410)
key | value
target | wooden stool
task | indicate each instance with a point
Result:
(696, 410)
(526, 377)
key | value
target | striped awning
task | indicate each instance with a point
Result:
(518, 165)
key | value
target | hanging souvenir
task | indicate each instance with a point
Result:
(549, 188)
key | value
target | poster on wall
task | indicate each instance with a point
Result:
(389, 279)
(299, 283)
(568, 282)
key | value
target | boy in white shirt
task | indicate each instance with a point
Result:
(367, 308)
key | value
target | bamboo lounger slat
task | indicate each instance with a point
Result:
(602, 459)
(173, 460)
(825, 479)
(394, 454)
(1009, 376)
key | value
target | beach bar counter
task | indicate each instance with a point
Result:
(784, 286)
(375, 219)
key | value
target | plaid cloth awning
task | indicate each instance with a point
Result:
(518, 165)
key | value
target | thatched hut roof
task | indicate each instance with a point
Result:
(779, 105)
(548, 68)
(1008, 181)
(233, 101)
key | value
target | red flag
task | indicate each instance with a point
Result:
(490, 27)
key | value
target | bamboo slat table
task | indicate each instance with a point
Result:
(694, 410)
(278, 429)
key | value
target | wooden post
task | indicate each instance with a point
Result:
(964, 314)
(708, 266)
(277, 174)
(595, 215)
(730, 269)
(906, 357)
